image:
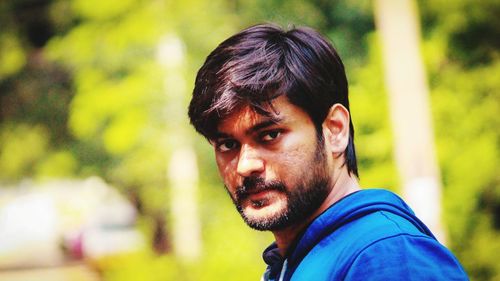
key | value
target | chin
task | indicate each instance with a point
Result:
(268, 217)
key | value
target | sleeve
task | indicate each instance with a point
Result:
(405, 257)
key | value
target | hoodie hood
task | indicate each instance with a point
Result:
(368, 235)
(349, 208)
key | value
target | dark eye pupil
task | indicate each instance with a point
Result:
(273, 134)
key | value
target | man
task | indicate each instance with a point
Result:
(274, 104)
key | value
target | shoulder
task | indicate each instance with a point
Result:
(377, 240)
(405, 257)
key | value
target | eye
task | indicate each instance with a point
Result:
(269, 136)
(226, 145)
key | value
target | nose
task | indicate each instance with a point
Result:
(249, 162)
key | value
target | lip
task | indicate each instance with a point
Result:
(257, 195)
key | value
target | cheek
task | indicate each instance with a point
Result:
(294, 162)
(289, 165)
(227, 171)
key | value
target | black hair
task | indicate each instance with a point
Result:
(262, 62)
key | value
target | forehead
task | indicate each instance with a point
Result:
(245, 118)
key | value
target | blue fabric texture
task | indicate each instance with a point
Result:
(369, 235)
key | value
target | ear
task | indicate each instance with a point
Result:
(336, 129)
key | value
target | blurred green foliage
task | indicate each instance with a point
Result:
(85, 89)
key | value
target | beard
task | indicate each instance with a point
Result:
(302, 199)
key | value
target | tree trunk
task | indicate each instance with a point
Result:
(398, 25)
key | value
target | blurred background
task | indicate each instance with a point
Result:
(102, 177)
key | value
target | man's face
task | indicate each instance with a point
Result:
(274, 168)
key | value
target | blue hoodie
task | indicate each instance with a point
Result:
(367, 235)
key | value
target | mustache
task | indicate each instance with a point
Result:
(257, 184)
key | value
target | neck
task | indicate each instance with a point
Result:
(343, 185)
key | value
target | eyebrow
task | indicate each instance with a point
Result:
(271, 121)
(263, 124)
